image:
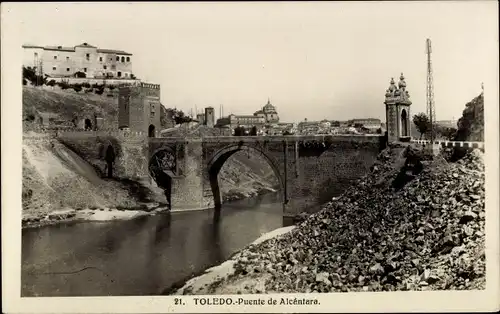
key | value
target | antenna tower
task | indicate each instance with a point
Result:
(431, 113)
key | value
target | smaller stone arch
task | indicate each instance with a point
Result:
(88, 124)
(109, 157)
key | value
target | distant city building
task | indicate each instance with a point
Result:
(269, 113)
(139, 108)
(209, 117)
(266, 117)
(201, 118)
(58, 61)
(369, 123)
(447, 123)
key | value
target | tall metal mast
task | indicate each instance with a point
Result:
(431, 113)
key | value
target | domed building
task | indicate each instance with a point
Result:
(269, 113)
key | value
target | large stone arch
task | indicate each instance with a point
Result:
(220, 157)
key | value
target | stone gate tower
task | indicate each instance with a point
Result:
(397, 111)
(139, 108)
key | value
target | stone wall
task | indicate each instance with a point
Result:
(131, 161)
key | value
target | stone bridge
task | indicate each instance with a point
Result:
(310, 169)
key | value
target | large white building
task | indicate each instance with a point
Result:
(58, 61)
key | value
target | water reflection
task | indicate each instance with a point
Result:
(143, 256)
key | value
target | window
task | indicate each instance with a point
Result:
(36, 54)
(110, 59)
(128, 59)
(113, 67)
(54, 68)
(123, 59)
(87, 56)
(119, 74)
(67, 58)
(104, 67)
(84, 69)
(67, 69)
(117, 58)
(55, 57)
(100, 59)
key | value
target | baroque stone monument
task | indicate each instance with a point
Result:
(397, 110)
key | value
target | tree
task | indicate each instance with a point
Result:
(422, 123)
(253, 131)
(177, 115)
(239, 131)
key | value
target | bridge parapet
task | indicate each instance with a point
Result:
(275, 139)
(450, 144)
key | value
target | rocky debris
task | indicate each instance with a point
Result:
(427, 234)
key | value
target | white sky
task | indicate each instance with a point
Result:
(314, 60)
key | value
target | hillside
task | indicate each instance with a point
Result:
(56, 180)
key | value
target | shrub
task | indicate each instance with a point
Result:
(63, 85)
(86, 85)
(99, 91)
(77, 87)
(25, 82)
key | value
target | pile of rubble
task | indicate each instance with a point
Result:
(415, 223)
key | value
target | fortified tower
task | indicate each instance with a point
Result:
(139, 108)
(209, 117)
(397, 111)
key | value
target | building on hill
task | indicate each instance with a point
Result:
(59, 61)
(139, 108)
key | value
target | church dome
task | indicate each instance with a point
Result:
(269, 107)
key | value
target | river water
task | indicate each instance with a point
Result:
(143, 256)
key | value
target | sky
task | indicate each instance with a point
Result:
(314, 60)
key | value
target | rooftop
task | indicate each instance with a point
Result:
(72, 49)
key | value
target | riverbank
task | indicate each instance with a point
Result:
(87, 214)
(219, 275)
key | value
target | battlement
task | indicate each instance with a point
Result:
(123, 134)
(149, 85)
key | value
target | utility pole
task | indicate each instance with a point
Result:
(431, 113)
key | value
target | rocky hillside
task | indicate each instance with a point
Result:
(471, 124)
(416, 222)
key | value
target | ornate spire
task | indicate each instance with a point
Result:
(402, 83)
(392, 87)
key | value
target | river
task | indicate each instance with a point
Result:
(143, 256)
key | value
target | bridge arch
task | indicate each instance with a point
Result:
(216, 162)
